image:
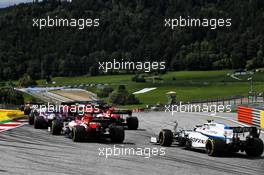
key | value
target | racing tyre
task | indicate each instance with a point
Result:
(31, 118)
(215, 147)
(132, 123)
(117, 134)
(39, 123)
(56, 127)
(182, 141)
(27, 110)
(165, 137)
(188, 144)
(78, 133)
(254, 147)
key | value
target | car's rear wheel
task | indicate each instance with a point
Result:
(31, 118)
(132, 123)
(27, 110)
(78, 133)
(117, 134)
(56, 127)
(39, 123)
(165, 137)
(254, 147)
(215, 147)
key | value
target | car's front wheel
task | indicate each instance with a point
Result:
(165, 137)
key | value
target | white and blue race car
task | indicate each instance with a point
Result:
(216, 138)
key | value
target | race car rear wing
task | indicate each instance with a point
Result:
(252, 130)
(128, 112)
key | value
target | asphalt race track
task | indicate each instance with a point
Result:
(25, 150)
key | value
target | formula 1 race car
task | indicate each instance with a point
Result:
(42, 119)
(97, 127)
(29, 106)
(119, 117)
(53, 120)
(31, 116)
(217, 139)
(123, 118)
(66, 115)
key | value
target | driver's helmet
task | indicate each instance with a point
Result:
(116, 116)
(100, 115)
(87, 118)
(110, 110)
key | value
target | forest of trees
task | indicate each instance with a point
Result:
(131, 30)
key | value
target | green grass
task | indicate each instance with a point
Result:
(198, 92)
(197, 75)
(210, 76)
(189, 85)
(29, 98)
(60, 81)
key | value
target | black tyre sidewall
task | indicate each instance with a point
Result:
(78, 133)
(117, 134)
(31, 119)
(215, 147)
(165, 137)
(39, 123)
(254, 148)
(132, 123)
(56, 127)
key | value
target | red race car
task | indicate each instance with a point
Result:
(122, 117)
(94, 127)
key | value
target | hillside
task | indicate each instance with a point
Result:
(189, 85)
(131, 30)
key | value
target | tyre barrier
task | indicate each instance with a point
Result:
(250, 115)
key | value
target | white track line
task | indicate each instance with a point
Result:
(5, 128)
